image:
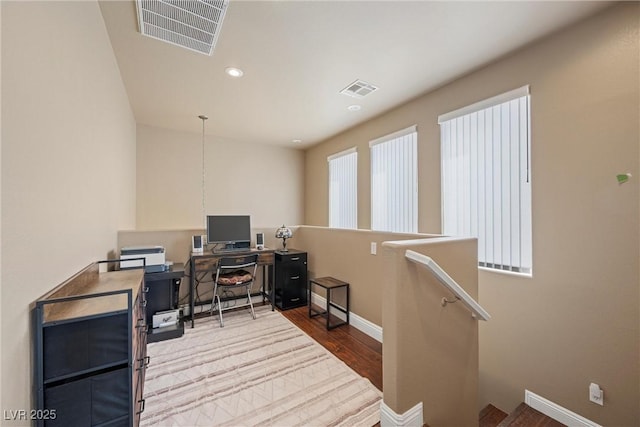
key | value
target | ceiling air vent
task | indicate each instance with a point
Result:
(359, 89)
(192, 24)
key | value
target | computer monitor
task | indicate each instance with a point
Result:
(232, 231)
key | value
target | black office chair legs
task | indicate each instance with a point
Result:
(253, 313)
(238, 278)
(216, 303)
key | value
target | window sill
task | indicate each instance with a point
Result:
(508, 273)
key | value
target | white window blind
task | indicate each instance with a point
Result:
(394, 182)
(343, 189)
(486, 182)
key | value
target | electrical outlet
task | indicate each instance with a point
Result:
(373, 248)
(596, 395)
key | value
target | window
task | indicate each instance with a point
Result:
(394, 182)
(343, 189)
(486, 180)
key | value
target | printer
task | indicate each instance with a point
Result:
(153, 256)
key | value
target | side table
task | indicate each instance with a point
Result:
(329, 284)
(164, 290)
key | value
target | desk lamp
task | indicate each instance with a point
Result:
(284, 233)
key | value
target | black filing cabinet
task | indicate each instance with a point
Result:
(290, 279)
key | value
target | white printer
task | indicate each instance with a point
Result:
(153, 256)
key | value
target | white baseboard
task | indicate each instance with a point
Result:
(360, 323)
(556, 411)
(412, 418)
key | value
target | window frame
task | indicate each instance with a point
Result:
(408, 222)
(354, 211)
(514, 139)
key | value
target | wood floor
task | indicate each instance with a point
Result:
(491, 416)
(364, 355)
(356, 349)
(525, 416)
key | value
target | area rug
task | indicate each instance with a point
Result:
(263, 372)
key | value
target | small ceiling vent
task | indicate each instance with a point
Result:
(192, 24)
(359, 89)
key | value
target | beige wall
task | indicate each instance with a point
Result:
(430, 352)
(177, 243)
(177, 246)
(585, 112)
(346, 255)
(316, 207)
(266, 182)
(68, 163)
(331, 252)
(577, 320)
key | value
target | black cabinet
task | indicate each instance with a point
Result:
(163, 295)
(290, 277)
(90, 345)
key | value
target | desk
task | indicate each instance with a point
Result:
(206, 263)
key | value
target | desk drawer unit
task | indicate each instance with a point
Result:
(290, 279)
(90, 341)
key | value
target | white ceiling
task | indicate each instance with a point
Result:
(298, 55)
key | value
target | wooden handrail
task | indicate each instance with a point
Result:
(475, 308)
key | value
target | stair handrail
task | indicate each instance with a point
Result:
(476, 309)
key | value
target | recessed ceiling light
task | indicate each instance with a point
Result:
(296, 141)
(234, 72)
(354, 107)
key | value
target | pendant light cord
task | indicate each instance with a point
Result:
(204, 217)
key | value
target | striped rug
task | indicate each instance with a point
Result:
(263, 372)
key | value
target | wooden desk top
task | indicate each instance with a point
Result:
(207, 261)
(329, 282)
(89, 284)
(208, 253)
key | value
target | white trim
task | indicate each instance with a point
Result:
(394, 135)
(507, 272)
(412, 418)
(360, 323)
(342, 153)
(365, 326)
(485, 103)
(556, 411)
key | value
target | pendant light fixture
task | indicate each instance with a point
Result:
(204, 214)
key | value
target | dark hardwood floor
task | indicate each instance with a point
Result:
(491, 416)
(356, 349)
(364, 355)
(525, 416)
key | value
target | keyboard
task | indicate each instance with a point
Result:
(230, 251)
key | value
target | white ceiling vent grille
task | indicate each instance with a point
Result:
(192, 24)
(359, 89)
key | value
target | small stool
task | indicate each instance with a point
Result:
(329, 283)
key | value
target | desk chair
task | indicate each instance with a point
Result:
(234, 272)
